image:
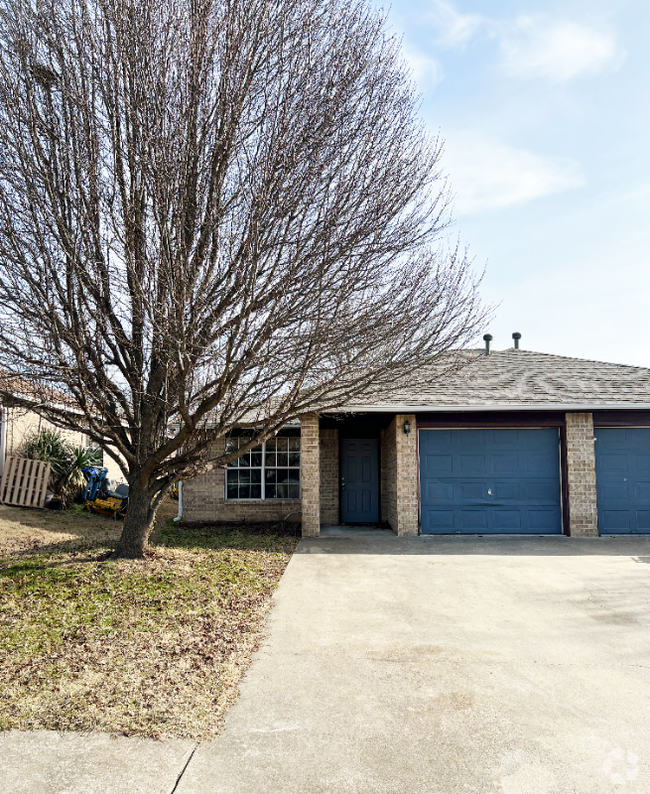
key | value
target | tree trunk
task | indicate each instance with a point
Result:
(138, 523)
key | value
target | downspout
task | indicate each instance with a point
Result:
(180, 502)
(3, 438)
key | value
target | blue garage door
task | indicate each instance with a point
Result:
(490, 481)
(623, 480)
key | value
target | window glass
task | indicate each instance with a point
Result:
(270, 471)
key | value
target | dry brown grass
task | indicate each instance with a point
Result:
(152, 647)
(23, 530)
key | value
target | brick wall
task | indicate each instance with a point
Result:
(383, 474)
(204, 500)
(400, 476)
(581, 474)
(389, 476)
(329, 477)
(310, 474)
(407, 477)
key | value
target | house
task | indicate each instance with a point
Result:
(515, 442)
(18, 424)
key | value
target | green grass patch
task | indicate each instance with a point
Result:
(151, 647)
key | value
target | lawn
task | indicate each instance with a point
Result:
(152, 647)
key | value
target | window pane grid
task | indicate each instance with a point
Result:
(270, 471)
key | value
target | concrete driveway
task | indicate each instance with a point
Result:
(438, 666)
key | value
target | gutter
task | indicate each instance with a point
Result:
(180, 502)
(424, 408)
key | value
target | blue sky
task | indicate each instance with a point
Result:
(544, 109)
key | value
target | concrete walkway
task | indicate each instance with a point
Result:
(419, 666)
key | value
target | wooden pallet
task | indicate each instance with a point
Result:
(24, 482)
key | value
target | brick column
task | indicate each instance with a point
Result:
(581, 475)
(407, 476)
(310, 475)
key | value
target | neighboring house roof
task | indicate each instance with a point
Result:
(31, 389)
(518, 379)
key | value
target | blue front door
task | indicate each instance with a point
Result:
(359, 481)
(623, 480)
(490, 481)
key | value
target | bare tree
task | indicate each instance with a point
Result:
(213, 213)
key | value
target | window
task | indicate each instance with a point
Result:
(270, 471)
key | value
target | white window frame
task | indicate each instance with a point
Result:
(263, 498)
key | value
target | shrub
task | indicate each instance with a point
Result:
(66, 461)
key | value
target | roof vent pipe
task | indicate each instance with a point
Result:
(487, 339)
(516, 336)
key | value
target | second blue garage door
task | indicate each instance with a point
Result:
(490, 481)
(623, 480)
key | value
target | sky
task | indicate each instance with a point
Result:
(544, 110)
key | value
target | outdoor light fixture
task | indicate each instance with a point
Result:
(407, 427)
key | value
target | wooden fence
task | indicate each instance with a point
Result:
(24, 482)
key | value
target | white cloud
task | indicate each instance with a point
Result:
(454, 28)
(486, 175)
(559, 51)
(427, 72)
(532, 46)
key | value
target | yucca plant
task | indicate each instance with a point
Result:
(66, 461)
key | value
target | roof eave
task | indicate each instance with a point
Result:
(428, 408)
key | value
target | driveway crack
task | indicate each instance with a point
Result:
(182, 772)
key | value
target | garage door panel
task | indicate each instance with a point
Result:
(470, 439)
(471, 466)
(616, 491)
(535, 464)
(474, 491)
(611, 462)
(441, 465)
(544, 521)
(503, 481)
(505, 463)
(509, 489)
(641, 491)
(642, 463)
(542, 491)
(615, 520)
(507, 520)
(436, 520)
(474, 519)
(439, 491)
(504, 438)
(623, 480)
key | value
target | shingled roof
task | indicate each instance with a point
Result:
(520, 379)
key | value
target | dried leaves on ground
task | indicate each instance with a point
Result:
(151, 647)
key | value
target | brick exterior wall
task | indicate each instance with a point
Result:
(400, 476)
(204, 499)
(329, 477)
(310, 475)
(383, 475)
(581, 475)
(407, 476)
(388, 476)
